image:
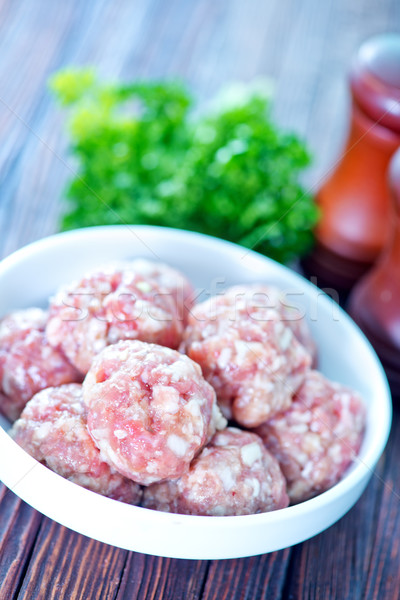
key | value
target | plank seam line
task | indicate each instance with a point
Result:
(204, 582)
(122, 575)
(25, 567)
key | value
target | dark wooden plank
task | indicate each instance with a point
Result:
(383, 576)
(67, 565)
(19, 525)
(247, 578)
(152, 577)
(35, 124)
(29, 50)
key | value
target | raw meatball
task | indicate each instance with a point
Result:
(168, 279)
(28, 363)
(316, 439)
(52, 429)
(149, 410)
(258, 295)
(233, 475)
(113, 303)
(250, 357)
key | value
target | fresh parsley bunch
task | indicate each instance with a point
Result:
(143, 158)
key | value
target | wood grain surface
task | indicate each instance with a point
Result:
(305, 48)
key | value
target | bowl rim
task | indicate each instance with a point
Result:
(360, 469)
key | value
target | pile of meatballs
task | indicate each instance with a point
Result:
(129, 388)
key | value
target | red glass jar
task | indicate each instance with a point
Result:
(375, 301)
(354, 200)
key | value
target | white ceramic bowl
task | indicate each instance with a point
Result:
(29, 276)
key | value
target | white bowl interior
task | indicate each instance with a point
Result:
(31, 275)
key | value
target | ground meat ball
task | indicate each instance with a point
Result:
(52, 429)
(116, 302)
(233, 475)
(259, 296)
(168, 279)
(316, 439)
(253, 361)
(28, 363)
(149, 410)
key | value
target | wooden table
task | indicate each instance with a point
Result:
(305, 47)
